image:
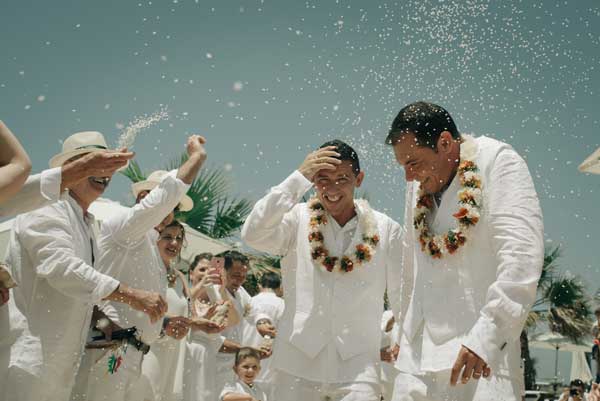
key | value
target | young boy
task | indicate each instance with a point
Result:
(246, 368)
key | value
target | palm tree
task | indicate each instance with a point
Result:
(562, 303)
(215, 212)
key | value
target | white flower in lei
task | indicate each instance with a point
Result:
(470, 200)
(363, 252)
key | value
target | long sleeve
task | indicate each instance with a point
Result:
(394, 270)
(130, 226)
(272, 223)
(516, 232)
(39, 190)
(48, 241)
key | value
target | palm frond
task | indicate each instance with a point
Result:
(565, 292)
(134, 172)
(549, 266)
(229, 216)
(572, 322)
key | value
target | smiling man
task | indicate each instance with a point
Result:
(52, 253)
(475, 250)
(339, 255)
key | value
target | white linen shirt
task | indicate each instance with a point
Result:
(480, 296)
(239, 387)
(38, 191)
(265, 305)
(51, 253)
(128, 252)
(329, 332)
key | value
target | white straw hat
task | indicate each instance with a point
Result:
(185, 204)
(79, 144)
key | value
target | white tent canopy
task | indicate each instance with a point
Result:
(102, 208)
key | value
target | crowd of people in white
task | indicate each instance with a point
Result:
(373, 310)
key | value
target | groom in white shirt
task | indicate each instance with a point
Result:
(473, 252)
(339, 256)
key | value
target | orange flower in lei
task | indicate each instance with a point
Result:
(470, 200)
(363, 252)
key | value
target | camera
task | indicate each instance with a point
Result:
(574, 392)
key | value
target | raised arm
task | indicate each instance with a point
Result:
(14, 164)
(516, 229)
(151, 210)
(272, 223)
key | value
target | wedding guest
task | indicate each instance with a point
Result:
(472, 257)
(163, 366)
(128, 251)
(52, 252)
(267, 309)
(200, 366)
(236, 271)
(339, 255)
(45, 188)
(575, 392)
(245, 387)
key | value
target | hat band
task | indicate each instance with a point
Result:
(91, 146)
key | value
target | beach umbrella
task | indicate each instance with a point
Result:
(591, 164)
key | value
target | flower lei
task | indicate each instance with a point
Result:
(470, 199)
(363, 252)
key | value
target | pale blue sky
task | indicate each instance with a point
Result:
(524, 72)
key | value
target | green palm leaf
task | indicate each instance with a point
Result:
(134, 172)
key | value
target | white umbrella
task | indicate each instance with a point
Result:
(591, 164)
(557, 343)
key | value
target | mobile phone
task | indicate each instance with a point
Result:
(217, 266)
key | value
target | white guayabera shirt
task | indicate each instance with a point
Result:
(51, 252)
(329, 332)
(239, 387)
(38, 191)
(128, 252)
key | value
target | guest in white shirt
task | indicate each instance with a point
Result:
(472, 258)
(43, 189)
(245, 387)
(128, 251)
(200, 366)
(52, 251)
(236, 272)
(267, 309)
(339, 255)
(163, 366)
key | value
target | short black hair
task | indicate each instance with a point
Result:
(246, 352)
(426, 121)
(577, 383)
(270, 280)
(347, 153)
(201, 256)
(233, 256)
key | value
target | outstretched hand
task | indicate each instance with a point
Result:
(471, 366)
(322, 159)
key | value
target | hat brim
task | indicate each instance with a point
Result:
(61, 158)
(185, 204)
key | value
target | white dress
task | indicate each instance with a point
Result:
(162, 367)
(200, 366)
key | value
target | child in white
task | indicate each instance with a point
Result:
(246, 368)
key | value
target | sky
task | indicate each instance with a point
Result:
(268, 81)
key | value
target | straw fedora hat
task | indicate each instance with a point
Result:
(185, 204)
(79, 144)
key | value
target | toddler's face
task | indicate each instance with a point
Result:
(248, 369)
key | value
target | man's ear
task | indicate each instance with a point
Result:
(444, 143)
(359, 178)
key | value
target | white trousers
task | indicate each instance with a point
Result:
(435, 386)
(292, 388)
(95, 383)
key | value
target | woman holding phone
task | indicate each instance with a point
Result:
(200, 360)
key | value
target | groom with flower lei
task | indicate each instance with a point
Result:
(474, 251)
(339, 256)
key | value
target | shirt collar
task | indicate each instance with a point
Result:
(87, 217)
(350, 225)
